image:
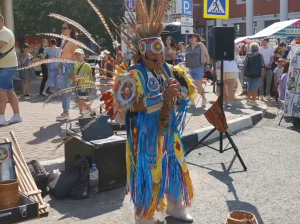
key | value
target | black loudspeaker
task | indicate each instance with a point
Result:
(222, 44)
(109, 158)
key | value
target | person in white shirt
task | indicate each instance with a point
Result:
(8, 70)
(268, 55)
(230, 75)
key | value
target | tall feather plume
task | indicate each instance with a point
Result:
(151, 12)
(47, 61)
(73, 23)
(145, 9)
(101, 17)
(68, 39)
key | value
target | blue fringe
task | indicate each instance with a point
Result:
(181, 115)
(147, 156)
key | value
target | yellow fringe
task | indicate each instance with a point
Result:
(152, 208)
(139, 86)
(184, 72)
(189, 185)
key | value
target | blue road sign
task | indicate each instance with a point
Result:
(216, 9)
(130, 5)
(187, 8)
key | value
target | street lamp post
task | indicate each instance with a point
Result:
(249, 17)
(7, 12)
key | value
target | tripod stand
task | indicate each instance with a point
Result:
(221, 135)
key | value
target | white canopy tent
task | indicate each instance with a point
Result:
(289, 28)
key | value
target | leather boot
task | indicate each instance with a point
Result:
(176, 209)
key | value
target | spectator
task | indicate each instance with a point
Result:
(51, 52)
(8, 70)
(44, 45)
(82, 76)
(196, 57)
(180, 54)
(254, 70)
(277, 75)
(66, 69)
(25, 59)
(268, 56)
(170, 50)
(230, 75)
(284, 51)
(283, 81)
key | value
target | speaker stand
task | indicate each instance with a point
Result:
(221, 135)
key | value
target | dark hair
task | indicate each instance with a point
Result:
(286, 67)
(53, 42)
(266, 39)
(1, 18)
(172, 41)
(42, 41)
(24, 46)
(73, 31)
(282, 45)
(195, 35)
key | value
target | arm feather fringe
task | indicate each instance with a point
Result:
(101, 17)
(69, 39)
(73, 89)
(46, 61)
(77, 25)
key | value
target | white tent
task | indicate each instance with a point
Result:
(289, 28)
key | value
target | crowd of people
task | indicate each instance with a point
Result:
(55, 75)
(265, 70)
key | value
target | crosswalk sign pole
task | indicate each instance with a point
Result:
(216, 9)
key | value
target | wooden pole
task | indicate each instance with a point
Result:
(26, 181)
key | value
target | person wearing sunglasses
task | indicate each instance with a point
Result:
(196, 57)
(65, 69)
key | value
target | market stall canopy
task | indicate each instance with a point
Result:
(289, 28)
(242, 40)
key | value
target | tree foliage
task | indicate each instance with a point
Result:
(31, 16)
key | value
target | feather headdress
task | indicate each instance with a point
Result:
(144, 32)
(79, 44)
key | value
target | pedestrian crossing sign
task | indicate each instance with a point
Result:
(216, 9)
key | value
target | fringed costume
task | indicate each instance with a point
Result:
(156, 164)
(157, 173)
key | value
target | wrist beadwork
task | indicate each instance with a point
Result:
(154, 103)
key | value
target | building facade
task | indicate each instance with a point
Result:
(6, 9)
(265, 13)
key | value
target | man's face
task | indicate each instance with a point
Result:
(265, 43)
(153, 61)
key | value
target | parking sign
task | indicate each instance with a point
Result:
(187, 8)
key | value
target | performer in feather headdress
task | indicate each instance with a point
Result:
(155, 97)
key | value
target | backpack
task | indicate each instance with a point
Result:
(253, 67)
(39, 175)
(82, 189)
